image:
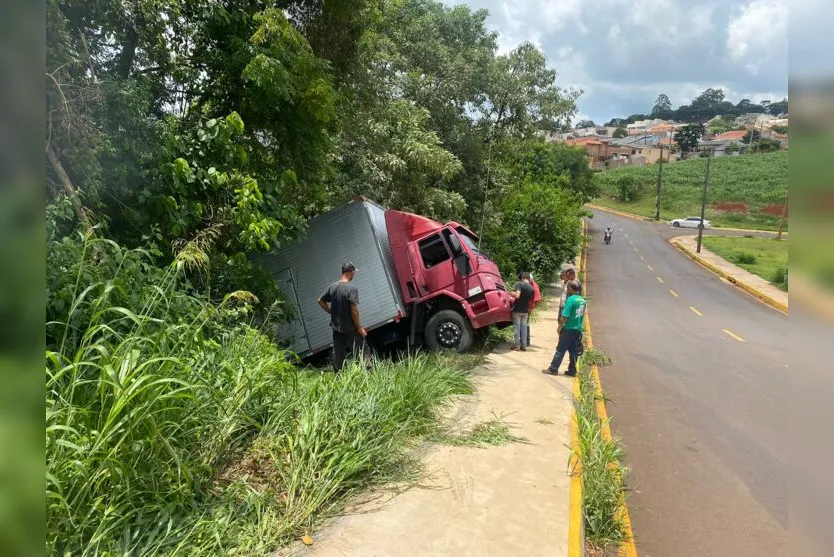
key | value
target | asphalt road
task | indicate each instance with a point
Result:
(699, 395)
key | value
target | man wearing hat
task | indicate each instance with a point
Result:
(341, 301)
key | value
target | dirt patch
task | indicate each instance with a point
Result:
(730, 207)
(775, 210)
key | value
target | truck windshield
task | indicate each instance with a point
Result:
(468, 240)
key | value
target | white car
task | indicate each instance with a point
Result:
(689, 222)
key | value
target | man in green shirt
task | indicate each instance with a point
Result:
(571, 322)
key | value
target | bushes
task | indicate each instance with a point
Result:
(745, 258)
(193, 431)
(627, 188)
(779, 277)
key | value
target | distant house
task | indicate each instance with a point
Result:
(649, 147)
(718, 144)
(600, 150)
(641, 126)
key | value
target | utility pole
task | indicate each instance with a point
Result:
(486, 191)
(782, 220)
(659, 182)
(703, 206)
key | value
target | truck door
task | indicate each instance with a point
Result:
(295, 330)
(436, 259)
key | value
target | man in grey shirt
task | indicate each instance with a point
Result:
(341, 301)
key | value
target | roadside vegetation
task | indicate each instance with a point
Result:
(765, 257)
(170, 431)
(202, 133)
(600, 460)
(744, 191)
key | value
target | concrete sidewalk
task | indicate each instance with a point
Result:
(747, 281)
(498, 500)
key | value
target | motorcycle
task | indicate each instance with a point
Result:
(607, 238)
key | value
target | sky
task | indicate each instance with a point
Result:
(623, 53)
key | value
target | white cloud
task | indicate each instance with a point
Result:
(758, 33)
(555, 14)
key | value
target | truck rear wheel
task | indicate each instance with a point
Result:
(449, 330)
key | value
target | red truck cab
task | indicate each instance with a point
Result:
(451, 288)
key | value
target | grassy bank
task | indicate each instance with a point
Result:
(172, 431)
(749, 184)
(765, 257)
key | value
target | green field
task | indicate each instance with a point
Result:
(756, 181)
(766, 257)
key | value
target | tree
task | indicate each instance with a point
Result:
(780, 107)
(616, 123)
(585, 124)
(751, 136)
(688, 136)
(620, 132)
(779, 128)
(522, 97)
(731, 148)
(766, 145)
(708, 98)
(662, 106)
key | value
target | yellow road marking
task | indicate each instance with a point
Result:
(660, 280)
(698, 313)
(735, 336)
(650, 267)
(673, 293)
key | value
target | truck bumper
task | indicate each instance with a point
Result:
(494, 307)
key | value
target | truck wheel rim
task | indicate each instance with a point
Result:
(448, 334)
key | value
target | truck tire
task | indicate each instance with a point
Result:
(449, 330)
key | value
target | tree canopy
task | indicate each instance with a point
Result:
(168, 119)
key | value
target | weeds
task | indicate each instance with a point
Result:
(745, 258)
(596, 357)
(603, 479)
(544, 421)
(199, 437)
(492, 432)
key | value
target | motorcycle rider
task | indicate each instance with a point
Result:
(608, 233)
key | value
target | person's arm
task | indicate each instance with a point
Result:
(563, 317)
(354, 313)
(353, 298)
(324, 305)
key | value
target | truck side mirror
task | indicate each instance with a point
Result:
(454, 244)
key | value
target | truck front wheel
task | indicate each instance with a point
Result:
(449, 330)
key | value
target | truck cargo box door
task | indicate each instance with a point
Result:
(295, 331)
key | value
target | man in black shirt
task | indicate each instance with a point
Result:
(522, 295)
(341, 301)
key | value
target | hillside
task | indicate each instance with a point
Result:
(745, 191)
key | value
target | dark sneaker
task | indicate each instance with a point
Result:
(548, 371)
(523, 349)
(569, 374)
(515, 347)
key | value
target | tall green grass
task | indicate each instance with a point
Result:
(198, 436)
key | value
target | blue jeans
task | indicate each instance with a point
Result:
(521, 322)
(568, 342)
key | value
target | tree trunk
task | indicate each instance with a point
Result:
(128, 52)
(63, 177)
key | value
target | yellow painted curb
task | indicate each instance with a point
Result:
(758, 294)
(576, 546)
